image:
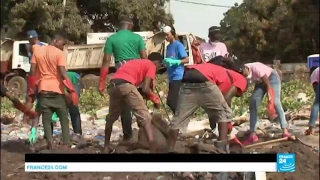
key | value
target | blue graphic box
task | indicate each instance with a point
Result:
(286, 162)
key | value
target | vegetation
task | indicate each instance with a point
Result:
(91, 101)
(254, 31)
(80, 16)
(267, 29)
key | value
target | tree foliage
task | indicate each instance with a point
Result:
(147, 14)
(81, 16)
(267, 29)
(45, 17)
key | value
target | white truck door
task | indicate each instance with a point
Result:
(20, 58)
(186, 41)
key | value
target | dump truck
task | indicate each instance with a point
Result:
(84, 59)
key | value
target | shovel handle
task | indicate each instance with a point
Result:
(268, 142)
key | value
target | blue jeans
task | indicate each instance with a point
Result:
(259, 91)
(75, 113)
(315, 109)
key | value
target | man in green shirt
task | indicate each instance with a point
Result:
(124, 46)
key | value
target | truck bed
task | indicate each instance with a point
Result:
(85, 56)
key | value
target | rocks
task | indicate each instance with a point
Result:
(107, 178)
(302, 97)
(88, 136)
(160, 129)
(4, 137)
(102, 113)
(25, 130)
(85, 117)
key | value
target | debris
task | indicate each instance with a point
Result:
(102, 113)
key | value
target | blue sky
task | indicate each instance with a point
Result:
(198, 18)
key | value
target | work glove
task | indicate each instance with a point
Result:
(272, 113)
(55, 117)
(70, 88)
(33, 135)
(31, 90)
(155, 99)
(23, 108)
(102, 81)
(172, 62)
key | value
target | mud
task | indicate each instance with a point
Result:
(12, 158)
(307, 162)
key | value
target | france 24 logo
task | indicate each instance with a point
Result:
(286, 162)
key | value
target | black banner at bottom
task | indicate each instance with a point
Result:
(151, 158)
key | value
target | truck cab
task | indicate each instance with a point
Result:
(15, 63)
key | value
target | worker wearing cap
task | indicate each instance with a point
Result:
(33, 40)
(214, 47)
(124, 46)
(32, 36)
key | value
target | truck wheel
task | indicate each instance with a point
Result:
(90, 80)
(88, 76)
(18, 83)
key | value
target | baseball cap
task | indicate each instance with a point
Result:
(32, 34)
(214, 29)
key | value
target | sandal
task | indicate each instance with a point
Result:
(251, 139)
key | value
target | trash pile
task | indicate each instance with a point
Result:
(15, 135)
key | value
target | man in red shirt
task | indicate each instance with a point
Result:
(123, 92)
(210, 87)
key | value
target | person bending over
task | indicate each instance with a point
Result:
(210, 87)
(123, 92)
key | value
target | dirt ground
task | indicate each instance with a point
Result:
(12, 159)
(307, 162)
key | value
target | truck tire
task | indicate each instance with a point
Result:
(18, 83)
(89, 76)
(90, 80)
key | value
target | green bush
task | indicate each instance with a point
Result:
(91, 100)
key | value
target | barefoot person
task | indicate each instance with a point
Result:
(214, 47)
(176, 57)
(124, 46)
(49, 62)
(267, 81)
(210, 87)
(17, 103)
(123, 92)
(314, 71)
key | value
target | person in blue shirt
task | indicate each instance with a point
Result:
(176, 57)
(32, 36)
